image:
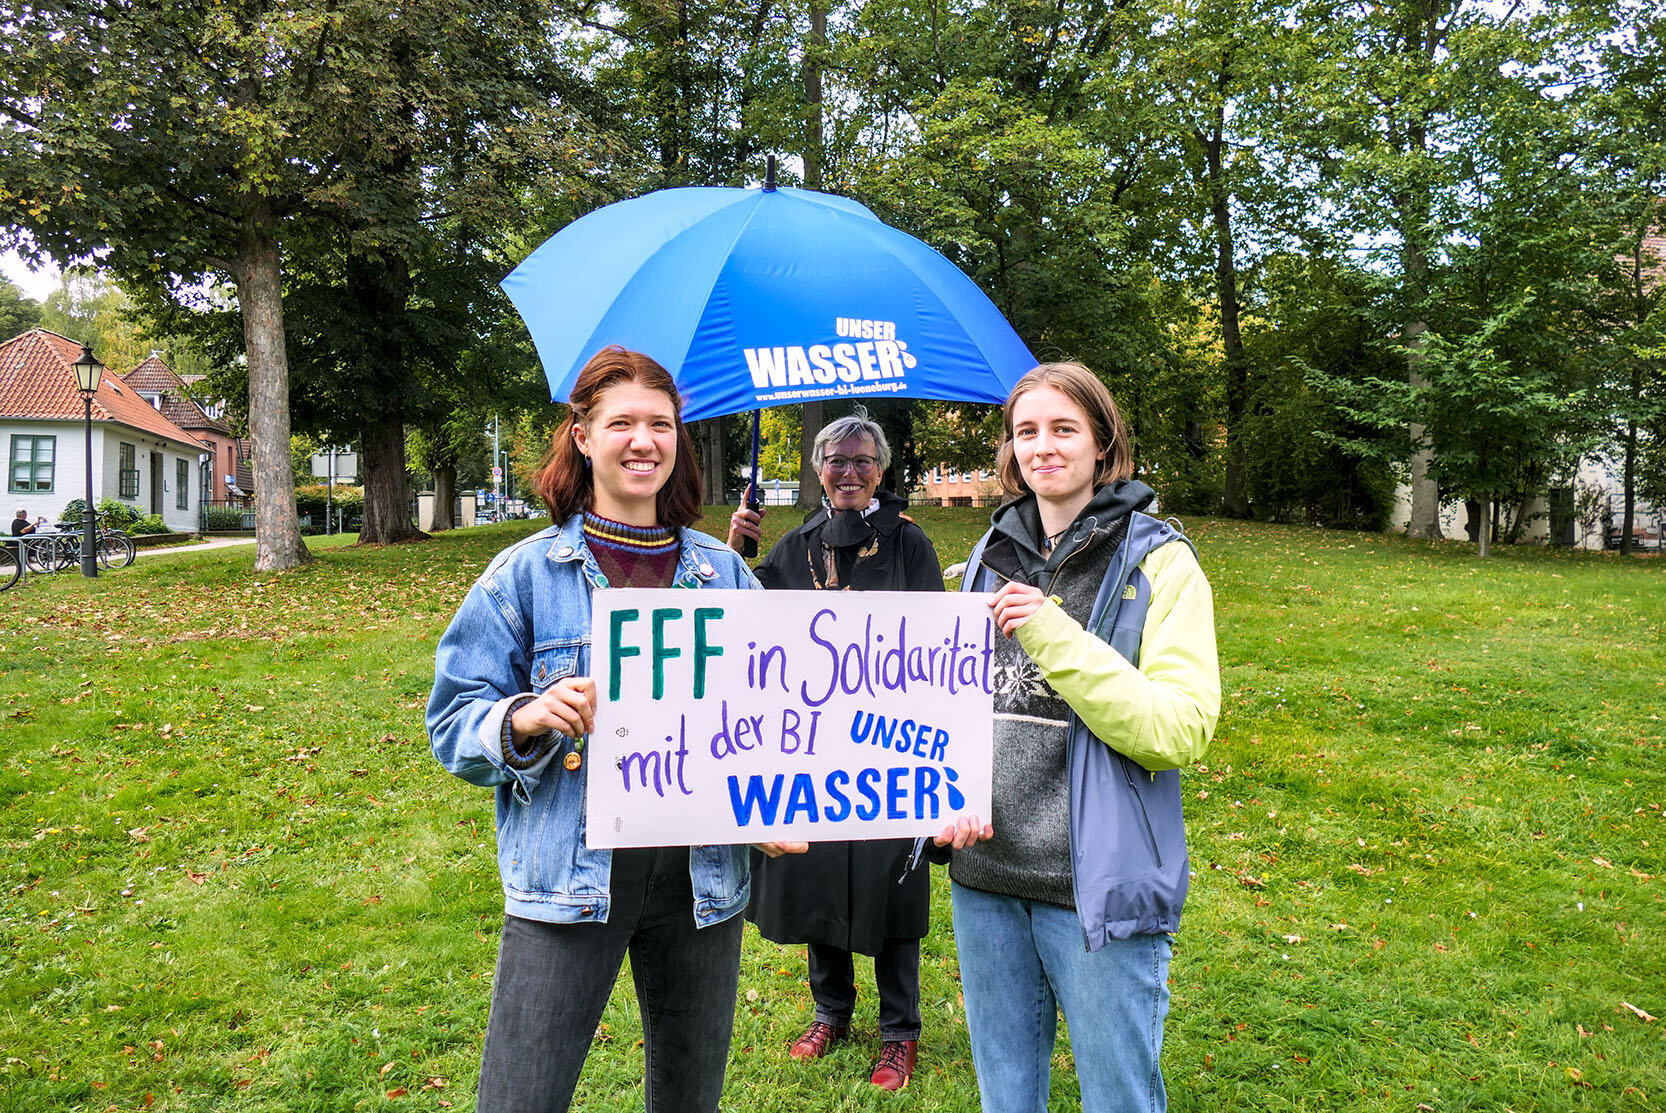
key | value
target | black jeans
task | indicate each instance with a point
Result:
(553, 982)
(896, 972)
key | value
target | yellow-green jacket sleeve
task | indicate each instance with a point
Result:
(1163, 713)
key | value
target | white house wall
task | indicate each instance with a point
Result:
(69, 477)
(69, 473)
(145, 445)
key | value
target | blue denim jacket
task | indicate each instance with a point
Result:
(524, 625)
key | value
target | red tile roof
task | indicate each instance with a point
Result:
(37, 380)
(157, 377)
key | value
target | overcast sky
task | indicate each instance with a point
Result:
(35, 284)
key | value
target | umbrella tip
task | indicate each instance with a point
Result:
(769, 175)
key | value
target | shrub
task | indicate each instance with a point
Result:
(72, 513)
(150, 523)
(312, 500)
(223, 518)
(116, 514)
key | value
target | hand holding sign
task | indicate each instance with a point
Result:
(963, 832)
(568, 706)
(1014, 604)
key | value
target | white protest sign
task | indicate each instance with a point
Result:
(755, 716)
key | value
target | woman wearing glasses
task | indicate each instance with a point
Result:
(845, 897)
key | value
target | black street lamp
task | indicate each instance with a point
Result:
(88, 371)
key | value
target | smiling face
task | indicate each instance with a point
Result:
(631, 440)
(850, 472)
(1052, 442)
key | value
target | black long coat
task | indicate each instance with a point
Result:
(852, 895)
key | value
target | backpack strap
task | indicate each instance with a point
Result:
(974, 563)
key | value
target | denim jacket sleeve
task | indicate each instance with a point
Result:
(482, 669)
(1163, 713)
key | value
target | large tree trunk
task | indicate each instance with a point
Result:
(1414, 208)
(1235, 497)
(809, 483)
(278, 543)
(445, 493)
(711, 441)
(387, 491)
(1630, 512)
(1425, 492)
(1483, 545)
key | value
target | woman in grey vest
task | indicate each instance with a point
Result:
(1106, 686)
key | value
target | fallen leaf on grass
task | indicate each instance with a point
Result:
(1580, 1028)
(1577, 1077)
(1603, 862)
(1473, 1042)
(398, 1092)
(1645, 1017)
(194, 877)
(1366, 870)
(436, 1084)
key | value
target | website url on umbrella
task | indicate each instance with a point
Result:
(841, 391)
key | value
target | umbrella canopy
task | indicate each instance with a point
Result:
(764, 297)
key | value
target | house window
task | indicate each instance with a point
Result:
(937, 474)
(129, 488)
(182, 484)
(31, 463)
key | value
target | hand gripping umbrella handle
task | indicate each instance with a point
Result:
(749, 545)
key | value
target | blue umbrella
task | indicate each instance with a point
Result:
(764, 297)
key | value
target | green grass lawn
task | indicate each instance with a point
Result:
(1429, 847)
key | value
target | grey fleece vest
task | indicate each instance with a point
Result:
(1128, 858)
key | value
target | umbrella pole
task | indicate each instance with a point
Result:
(749, 545)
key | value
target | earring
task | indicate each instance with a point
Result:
(587, 461)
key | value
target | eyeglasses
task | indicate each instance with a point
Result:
(861, 465)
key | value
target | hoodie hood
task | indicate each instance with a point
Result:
(1016, 544)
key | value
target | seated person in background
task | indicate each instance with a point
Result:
(20, 524)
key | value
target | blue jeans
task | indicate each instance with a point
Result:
(554, 980)
(1021, 963)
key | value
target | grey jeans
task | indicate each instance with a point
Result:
(553, 982)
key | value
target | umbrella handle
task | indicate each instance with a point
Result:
(749, 545)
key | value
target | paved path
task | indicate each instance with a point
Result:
(203, 547)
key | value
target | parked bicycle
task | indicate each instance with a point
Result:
(11, 561)
(55, 552)
(113, 548)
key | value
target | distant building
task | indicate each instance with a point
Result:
(226, 477)
(958, 487)
(140, 456)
